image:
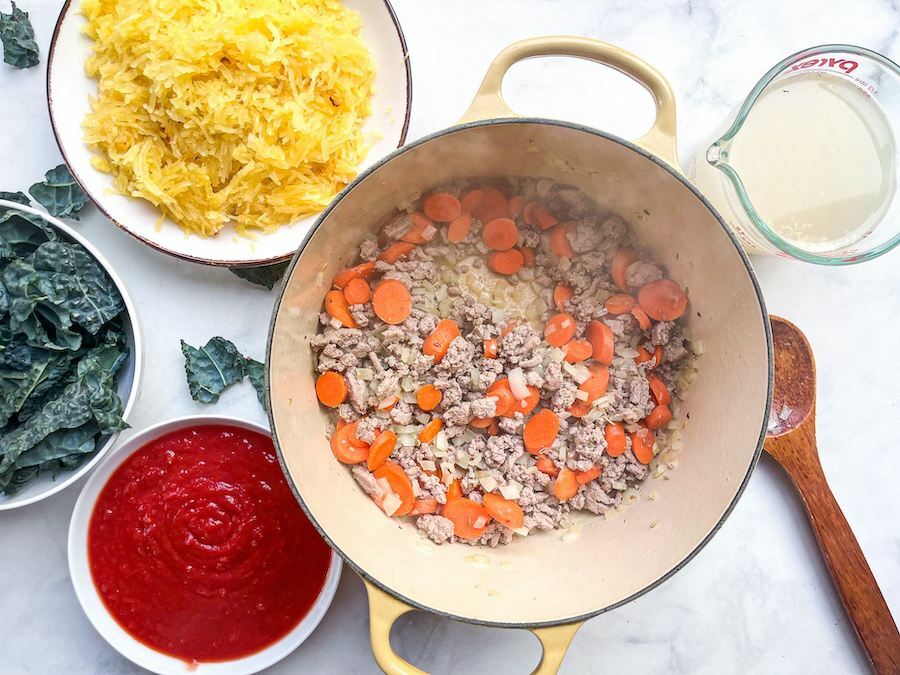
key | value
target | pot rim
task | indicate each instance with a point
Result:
(769, 358)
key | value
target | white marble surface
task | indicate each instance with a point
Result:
(758, 599)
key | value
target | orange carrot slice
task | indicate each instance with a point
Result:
(459, 229)
(559, 240)
(642, 445)
(400, 485)
(442, 207)
(663, 300)
(545, 465)
(500, 234)
(395, 251)
(504, 511)
(577, 350)
(505, 262)
(642, 318)
(566, 485)
(331, 388)
(516, 205)
(561, 295)
(361, 271)
(469, 519)
(428, 397)
(615, 439)
(621, 261)
(526, 405)
(602, 340)
(381, 449)
(505, 399)
(438, 342)
(357, 292)
(430, 430)
(345, 445)
(490, 348)
(584, 477)
(421, 231)
(560, 329)
(337, 308)
(527, 256)
(659, 417)
(543, 218)
(471, 200)
(493, 205)
(391, 301)
(540, 431)
(454, 491)
(619, 304)
(425, 506)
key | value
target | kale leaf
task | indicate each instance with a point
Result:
(59, 193)
(19, 48)
(211, 368)
(263, 275)
(256, 373)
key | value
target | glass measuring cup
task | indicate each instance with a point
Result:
(808, 167)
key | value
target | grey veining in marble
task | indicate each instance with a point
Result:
(758, 599)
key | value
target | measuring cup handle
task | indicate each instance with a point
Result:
(660, 140)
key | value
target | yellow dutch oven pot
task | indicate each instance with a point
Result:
(609, 562)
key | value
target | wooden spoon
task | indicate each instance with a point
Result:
(792, 442)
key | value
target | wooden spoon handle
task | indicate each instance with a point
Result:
(855, 582)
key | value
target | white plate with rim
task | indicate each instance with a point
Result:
(122, 641)
(68, 88)
(128, 380)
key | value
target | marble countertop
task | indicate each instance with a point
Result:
(758, 598)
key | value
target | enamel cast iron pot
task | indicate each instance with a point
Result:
(728, 403)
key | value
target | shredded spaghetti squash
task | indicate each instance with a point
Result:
(228, 111)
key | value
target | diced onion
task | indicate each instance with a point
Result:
(619, 485)
(391, 503)
(407, 440)
(579, 373)
(428, 464)
(407, 384)
(581, 395)
(428, 232)
(517, 383)
(384, 486)
(557, 355)
(698, 347)
(448, 472)
(423, 418)
(406, 429)
(441, 440)
(522, 531)
(487, 480)
(365, 374)
(480, 522)
(511, 490)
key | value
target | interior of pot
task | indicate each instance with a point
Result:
(543, 577)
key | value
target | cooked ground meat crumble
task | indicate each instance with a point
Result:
(535, 370)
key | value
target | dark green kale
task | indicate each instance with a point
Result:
(19, 48)
(59, 193)
(264, 275)
(256, 373)
(216, 366)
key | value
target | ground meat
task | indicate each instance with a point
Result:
(511, 425)
(459, 355)
(366, 480)
(451, 392)
(365, 430)
(368, 249)
(358, 393)
(501, 448)
(458, 414)
(553, 376)
(661, 333)
(588, 443)
(564, 396)
(484, 407)
(488, 372)
(596, 499)
(642, 272)
(402, 413)
(675, 349)
(518, 344)
(437, 528)
(586, 236)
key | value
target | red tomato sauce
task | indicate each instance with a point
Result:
(199, 549)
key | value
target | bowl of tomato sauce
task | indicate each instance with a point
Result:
(189, 552)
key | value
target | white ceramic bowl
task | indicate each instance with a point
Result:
(106, 625)
(128, 378)
(68, 88)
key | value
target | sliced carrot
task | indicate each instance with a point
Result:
(505, 262)
(480, 422)
(526, 405)
(615, 439)
(381, 449)
(438, 342)
(337, 308)
(400, 485)
(540, 430)
(587, 476)
(566, 485)
(577, 350)
(579, 408)
(561, 295)
(454, 491)
(357, 292)
(471, 200)
(621, 261)
(421, 231)
(516, 205)
(430, 430)
(428, 397)
(331, 388)
(658, 354)
(459, 229)
(504, 511)
(469, 519)
(395, 251)
(659, 390)
(441, 207)
(597, 383)
(423, 507)
(659, 417)
(388, 403)
(543, 218)
(545, 465)
(490, 348)
(619, 304)
(501, 391)
(500, 234)
(560, 329)
(642, 318)
(361, 271)
(391, 301)
(354, 441)
(493, 205)
(344, 445)
(527, 256)
(493, 428)
(663, 300)
(642, 355)
(602, 340)
(642, 445)
(559, 240)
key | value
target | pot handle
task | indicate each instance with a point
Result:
(660, 140)
(385, 609)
